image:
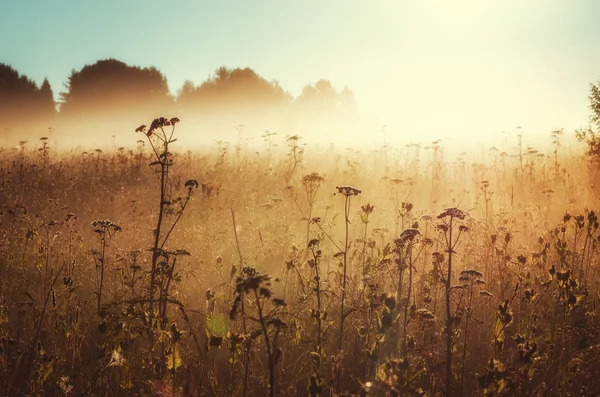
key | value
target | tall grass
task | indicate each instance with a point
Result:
(272, 275)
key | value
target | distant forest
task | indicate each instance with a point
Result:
(112, 89)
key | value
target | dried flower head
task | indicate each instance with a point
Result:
(191, 184)
(312, 179)
(453, 213)
(443, 227)
(471, 273)
(367, 209)
(348, 191)
(159, 122)
(407, 235)
(105, 224)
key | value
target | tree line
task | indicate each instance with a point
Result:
(111, 88)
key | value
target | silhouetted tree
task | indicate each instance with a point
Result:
(591, 135)
(324, 97)
(113, 88)
(21, 100)
(47, 105)
(595, 104)
(233, 89)
(324, 110)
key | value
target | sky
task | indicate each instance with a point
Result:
(462, 68)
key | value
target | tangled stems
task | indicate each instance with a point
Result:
(347, 192)
(259, 285)
(159, 139)
(404, 247)
(318, 314)
(448, 219)
(161, 275)
(311, 184)
(105, 230)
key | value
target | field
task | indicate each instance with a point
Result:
(294, 271)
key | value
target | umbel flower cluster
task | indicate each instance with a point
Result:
(160, 122)
(348, 191)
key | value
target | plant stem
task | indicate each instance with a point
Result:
(449, 317)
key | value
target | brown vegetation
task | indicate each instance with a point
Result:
(387, 273)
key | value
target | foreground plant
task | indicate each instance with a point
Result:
(347, 192)
(105, 230)
(452, 229)
(257, 287)
(160, 136)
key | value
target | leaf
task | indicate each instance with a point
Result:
(64, 384)
(499, 331)
(174, 359)
(116, 359)
(48, 372)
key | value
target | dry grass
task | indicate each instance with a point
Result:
(261, 303)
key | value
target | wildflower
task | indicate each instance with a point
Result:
(471, 273)
(407, 235)
(160, 123)
(407, 207)
(191, 184)
(312, 178)
(453, 213)
(348, 191)
(367, 209)
(442, 228)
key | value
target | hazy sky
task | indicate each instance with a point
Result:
(470, 67)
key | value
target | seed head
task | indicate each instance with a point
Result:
(367, 209)
(453, 213)
(348, 191)
(312, 178)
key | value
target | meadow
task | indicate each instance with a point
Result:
(297, 271)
